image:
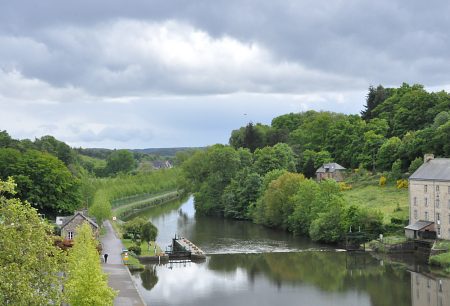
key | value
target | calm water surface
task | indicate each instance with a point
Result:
(253, 265)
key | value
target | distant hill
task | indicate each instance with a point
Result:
(166, 151)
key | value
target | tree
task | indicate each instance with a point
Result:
(374, 98)
(241, 193)
(55, 147)
(279, 156)
(329, 226)
(388, 153)
(133, 228)
(148, 232)
(276, 203)
(120, 161)
(396, 170)
(29, 261)
(415, 164)
(42, 179)
(86, 284)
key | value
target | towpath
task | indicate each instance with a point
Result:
(119, 278)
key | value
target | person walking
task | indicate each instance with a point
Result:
(106, 257)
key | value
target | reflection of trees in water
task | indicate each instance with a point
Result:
(328, 271)
(149, 277)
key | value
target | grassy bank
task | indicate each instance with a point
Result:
(132, 208)
(392, 202)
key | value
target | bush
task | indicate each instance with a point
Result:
(382, 181)
(343, 186)
(135, 249)
(402, 184)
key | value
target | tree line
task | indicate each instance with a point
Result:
(264, 175)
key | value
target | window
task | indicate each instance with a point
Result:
(448, 189)
(437, 188)
(70, 235)
(438, 216)
(448, 218)
(425, 187)
(415, 214)
(437, 203)
(439, 231)
(415, 201)
(448, 204)
(426, 202)
(426, 215)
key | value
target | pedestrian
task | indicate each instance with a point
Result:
(106, 257)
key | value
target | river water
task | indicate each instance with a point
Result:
(248, 264)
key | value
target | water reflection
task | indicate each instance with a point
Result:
(314, 278)
(427, 290)
(280, 269)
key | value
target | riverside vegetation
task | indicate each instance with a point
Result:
(265, 174)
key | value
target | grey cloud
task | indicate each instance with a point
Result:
(379, 42)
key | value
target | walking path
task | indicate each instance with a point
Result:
(119, 278)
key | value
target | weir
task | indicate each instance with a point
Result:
(182, 248)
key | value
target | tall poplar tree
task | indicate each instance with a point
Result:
(86, 284)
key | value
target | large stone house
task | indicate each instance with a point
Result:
(70, 224)
(331, 171)
(429, 200)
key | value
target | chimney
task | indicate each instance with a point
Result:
(428, 157)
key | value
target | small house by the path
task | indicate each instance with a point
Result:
(70, 224)
(429, 196)
(331, 171)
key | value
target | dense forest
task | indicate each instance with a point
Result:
(263, 175)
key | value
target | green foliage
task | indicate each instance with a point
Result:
(148, 232)
(241, 194)
(396, 171)
(388, 153)
(42, 179)
(86, 284)
(29, 261)
(102, 192)
(136, 249)
(276, 204)
(279, 156)
(120, 161)
(415, 164)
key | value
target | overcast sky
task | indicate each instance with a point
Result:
(139, 74)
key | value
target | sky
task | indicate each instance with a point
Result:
(144, 73)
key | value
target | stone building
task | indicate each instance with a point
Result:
(330, 171)
(429, 200)
(70, 224)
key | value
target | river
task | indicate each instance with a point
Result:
(248, 264)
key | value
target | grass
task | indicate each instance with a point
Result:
(441, 260)
(442, 245)
(392, 202)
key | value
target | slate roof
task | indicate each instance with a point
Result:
(331, 166)
(435, 169)
(67, 220)
(419, 225)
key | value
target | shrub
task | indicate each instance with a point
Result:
(343, 186)
(402, 184)
(135, 249)
(382, 181)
